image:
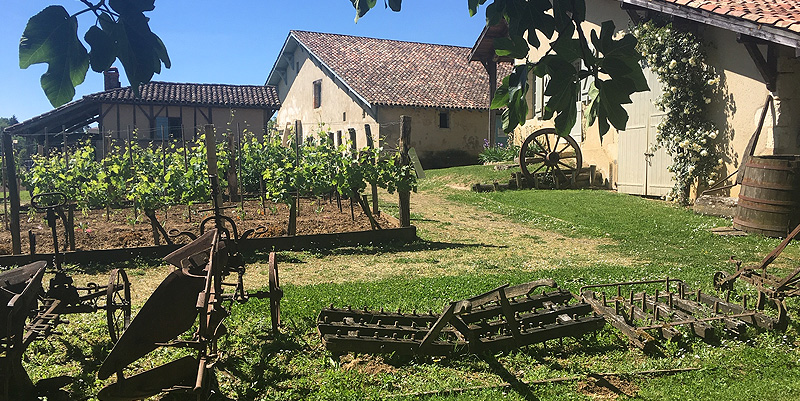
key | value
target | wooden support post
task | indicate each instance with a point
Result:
(64, 143)
(31, 242)
(5, 192)
(405, 160)
(233, 182)
(211, 156)
(292, 229)
(71, 226)
(371, 145)
(13, 189)
(46, 142)
(239, 164)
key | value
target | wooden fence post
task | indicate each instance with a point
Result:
(371, 145)
(292, 229)
(13, 189)
(405, 160)
(211, 156)
(233, 182)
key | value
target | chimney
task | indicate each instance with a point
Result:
(111, 78)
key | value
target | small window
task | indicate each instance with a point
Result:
(344, 116)
(444, 119)
(168, 128)
(317, 93)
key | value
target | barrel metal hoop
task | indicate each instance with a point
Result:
(768, 185)
(768, 201)
(757, 226)
(750, 163)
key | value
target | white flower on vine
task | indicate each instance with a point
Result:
(673, 64)
(720, 162)
(693, 61)
(707, 100)
(690, 169)
(673, 89)
(713, 135)
(704, 153)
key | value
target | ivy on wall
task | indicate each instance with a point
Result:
(689, 84)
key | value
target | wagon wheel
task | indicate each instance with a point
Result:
(118, 303)
(556, 155)
(275, 293)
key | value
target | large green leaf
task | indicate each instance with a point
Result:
(362, 6)
(139, 49)
(395, 5)
(51, 37)
(103, 50)
(515, 47)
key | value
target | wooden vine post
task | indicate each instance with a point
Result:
(292, 229)
(13, 189)
(405, 160)
(371, 145)
(211, 156)
(233, 182)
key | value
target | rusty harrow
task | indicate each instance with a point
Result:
(501, 319)
(643, 316)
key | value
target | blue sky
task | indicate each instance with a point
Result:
(213, 41)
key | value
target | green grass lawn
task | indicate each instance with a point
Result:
(631, 239)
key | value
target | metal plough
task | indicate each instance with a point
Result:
(187, 310)
(501, 319)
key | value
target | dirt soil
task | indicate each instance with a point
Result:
(121, 229)
(607, 388)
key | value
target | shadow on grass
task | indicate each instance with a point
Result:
(269, 368)
(416, 246)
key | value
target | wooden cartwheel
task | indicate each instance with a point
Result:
(545, 155)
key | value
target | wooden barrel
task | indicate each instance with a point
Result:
(769, 200)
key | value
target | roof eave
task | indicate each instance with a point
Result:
(754, 29)
(350, 89)
(278, 60)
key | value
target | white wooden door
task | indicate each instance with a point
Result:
(643, 171)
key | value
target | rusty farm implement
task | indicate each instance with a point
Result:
(500, 319)
(32, 312)
(187, 310)
(770, 285)
(644, 316)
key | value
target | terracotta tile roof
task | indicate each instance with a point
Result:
(778, 13)
(781, 14)
(395, 73)
(243, 96)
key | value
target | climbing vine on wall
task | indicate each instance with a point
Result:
(689, 84)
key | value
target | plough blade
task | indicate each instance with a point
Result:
(176, 374)
(169, 312)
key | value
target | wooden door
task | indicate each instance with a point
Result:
(641, 169)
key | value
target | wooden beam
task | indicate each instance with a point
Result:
(767, 67)
(762, 31)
